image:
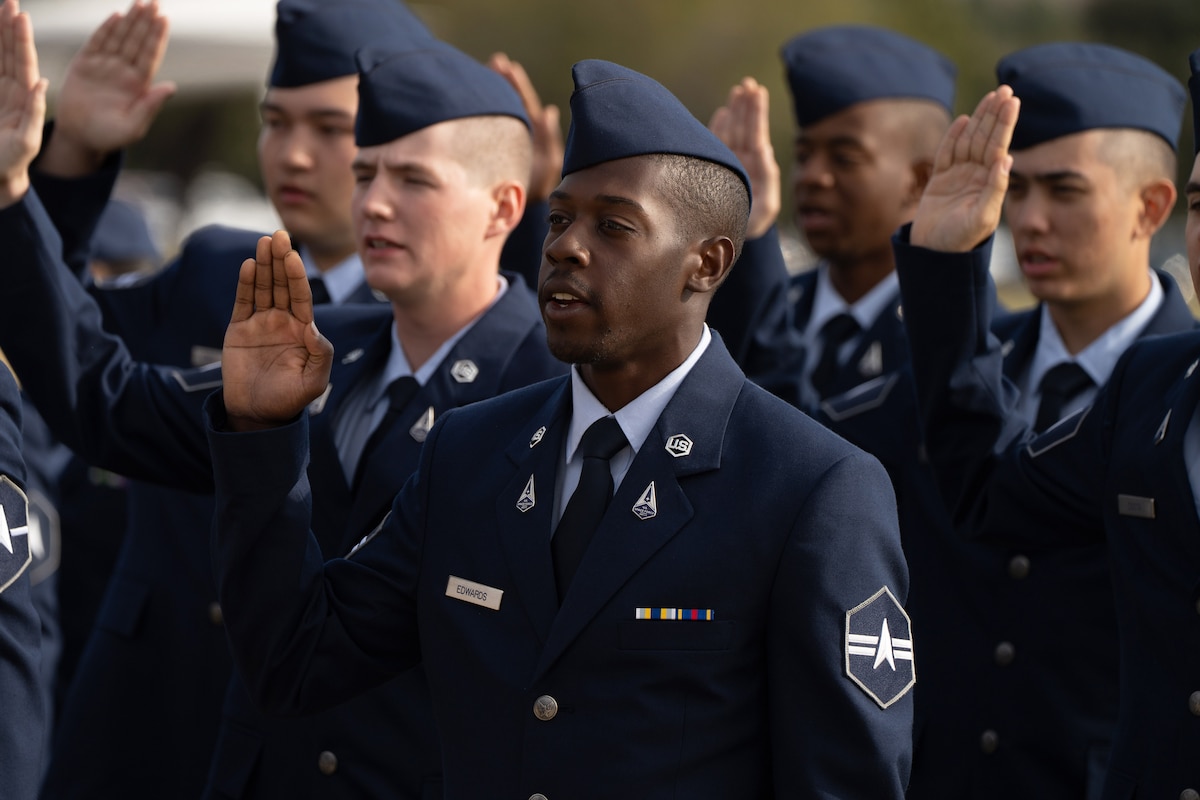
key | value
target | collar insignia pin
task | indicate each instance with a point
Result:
(464, 371)
(537, 437)
(647, 505)
(422, 426)
(528, 499)
(679, 445)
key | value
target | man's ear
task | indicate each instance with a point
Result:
(922, 170)
(714, 259)
(1156, 199)
(508, 206)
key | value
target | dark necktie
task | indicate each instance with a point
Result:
(319, 292)
(1061, 383)
(601, 441)
(399, 392)
(834, 333)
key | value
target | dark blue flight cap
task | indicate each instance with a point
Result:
(1194, 86)
(1070, 87)
(122, 235)
(315, 40)
(830, 69)
(402, 91)
(617, 113)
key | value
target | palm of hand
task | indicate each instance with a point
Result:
(267, 369)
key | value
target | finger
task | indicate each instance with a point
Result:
(962, 147)
(243, 299)
(944, 158)
(7, 57)
(141, 23)
(99, 42)
(26, 62)
(146, 108)
(153, 47)
(720, 123)
(760, 120)
(297, 284)
(263, 288)
(34, 117)
(515, 74)
(281, 245)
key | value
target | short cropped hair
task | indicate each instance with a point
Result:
(1138, 156)
(709, 199)
(494, 149)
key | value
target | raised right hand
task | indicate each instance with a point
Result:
(22, 102)
(962, 202)
(744, 125)
(108, 98)
(275, 361)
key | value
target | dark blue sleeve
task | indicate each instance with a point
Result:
(134, 419)
(306, 634)
(522, 252)
(23, 718)
(979, 448)
(74, 206)
(753, 314)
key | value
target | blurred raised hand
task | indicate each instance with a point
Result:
(962, 202)
(109, 98)
(547, 132)
(22, 102)
(744, 125)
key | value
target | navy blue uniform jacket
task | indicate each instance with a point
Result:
(771, 522)
(145, 423)
(1059, 498)
(23, 718)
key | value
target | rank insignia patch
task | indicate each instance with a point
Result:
(14, 532)
(879, 648)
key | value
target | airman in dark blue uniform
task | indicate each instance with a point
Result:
(731, 625)
(456, 331)
(1089, 181)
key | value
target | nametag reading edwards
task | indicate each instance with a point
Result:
(476, 593)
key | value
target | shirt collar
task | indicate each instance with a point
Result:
(638, 417)
(827, 303)
(341, 280)
(397, 365)
(1100, 357)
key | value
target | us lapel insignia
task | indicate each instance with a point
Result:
(537, 437)
(318, 405)
(528, 499)
(871, 364)
(422, 426)
(1007, 348)
(647, 505)
(879, 648)
(1161, 433)
(1191, 369)
(679, 445)
(352, 356)
(464, 371)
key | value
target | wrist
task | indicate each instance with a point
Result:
(66, 156)
(13, 188)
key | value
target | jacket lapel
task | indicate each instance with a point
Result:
(525, 508)
(651, 505)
